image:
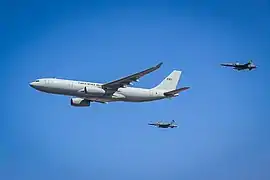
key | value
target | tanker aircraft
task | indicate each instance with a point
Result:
(83, 93)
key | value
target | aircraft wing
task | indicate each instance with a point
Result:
(103, 102)
(96, 100)
(228, 64)
(127, 80)
(172, 93)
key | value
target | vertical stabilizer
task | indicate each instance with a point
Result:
(170, 82)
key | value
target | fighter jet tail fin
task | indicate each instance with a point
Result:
(170, 82)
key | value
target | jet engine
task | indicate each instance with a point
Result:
(79, 102)
(92, 90)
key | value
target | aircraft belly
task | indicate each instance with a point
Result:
(122, 94)
(55, 90)
(136, 95)
(101, 99)
(117, 95)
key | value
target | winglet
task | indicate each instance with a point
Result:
(158, 66)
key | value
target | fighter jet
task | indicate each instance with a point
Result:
(164, 124)
(237, 66)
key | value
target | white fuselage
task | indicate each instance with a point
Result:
(95, 91)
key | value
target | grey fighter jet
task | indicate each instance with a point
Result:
(164, 124)
(237, 66)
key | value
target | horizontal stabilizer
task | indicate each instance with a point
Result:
(174, 92)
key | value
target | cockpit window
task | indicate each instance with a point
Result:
(37, 81)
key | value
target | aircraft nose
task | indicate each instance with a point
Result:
(31, 84)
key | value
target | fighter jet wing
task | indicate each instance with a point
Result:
(127, 80)
(228, 64)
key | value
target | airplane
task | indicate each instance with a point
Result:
(250, 65)
(83, 93)
(164, 124)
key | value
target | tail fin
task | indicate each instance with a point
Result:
(170, 82)
(173, 121)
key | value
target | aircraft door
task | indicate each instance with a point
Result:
(71, 85)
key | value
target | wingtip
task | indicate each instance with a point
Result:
(160, 64)
(186, 88)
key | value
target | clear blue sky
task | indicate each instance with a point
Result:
(224, 118)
